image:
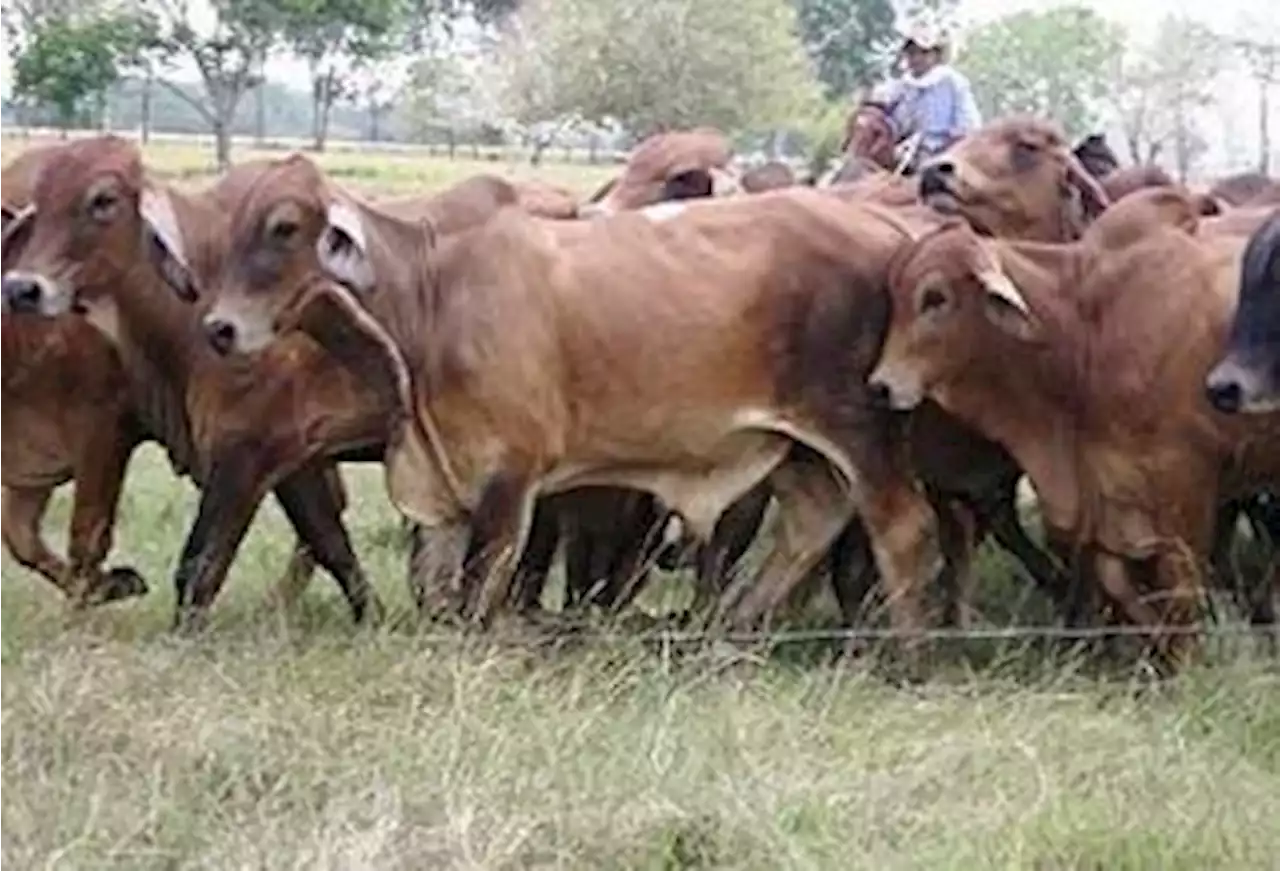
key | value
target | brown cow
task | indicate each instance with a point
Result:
(1253, 189)
(67, 417)
(767, 177)
(677, 165)
(526, 378)
(238, 427)
(1065, 355)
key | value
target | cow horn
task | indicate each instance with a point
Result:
(997, 283)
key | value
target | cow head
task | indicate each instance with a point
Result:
(93, 222)
(1247, 378)
(669, 166)
(1014, 178)
(950, 296)
(286, 229)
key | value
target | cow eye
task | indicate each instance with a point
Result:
(932, 300)
(284, 230)
(1025, 155)
(102, 206)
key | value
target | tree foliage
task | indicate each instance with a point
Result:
(67, 61)
(337, 38)
(657, 65)
(1054, 64)
(1158, 92)
(849, 41)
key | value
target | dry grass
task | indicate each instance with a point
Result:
(300, 742)
(375, 172)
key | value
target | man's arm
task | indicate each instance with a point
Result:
(966, 116)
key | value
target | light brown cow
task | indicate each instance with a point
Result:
(238, 427)
(677, 165)
(768, 177)
(67, 418)
(725, 351)
(1087, 362)
(1247, 189)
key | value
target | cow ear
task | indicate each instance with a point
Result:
(687, 185)
(16, 231)
(1005, 306)
(343, 249)
(163, 238)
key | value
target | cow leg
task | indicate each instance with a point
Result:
(1005, 525)
(1114, 574)
(297, 576)
(232, 491)
(99, 476)
(499, 528)
(734, 532)
(309, 501)
(957, 529)
(902, 528)
(21, 511)
(813, 507)
(535, 563)
(853, 573)
(435, 560)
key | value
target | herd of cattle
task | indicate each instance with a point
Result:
(640, 377)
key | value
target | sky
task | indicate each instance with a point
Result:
(1233, 137)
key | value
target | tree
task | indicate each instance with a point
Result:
(1159, 91)
(848, 41)
(337, 38)
(1052, 64)
(228, 54)
(68, 61)
(1259, 46)
(657, 65)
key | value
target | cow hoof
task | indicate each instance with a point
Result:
(189, 621)
(373, 614)
(113, 586)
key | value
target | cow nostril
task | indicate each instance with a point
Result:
(881, 396)
(1227, 396)
(21, 294)
(221, 335)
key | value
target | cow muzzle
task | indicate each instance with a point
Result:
(894, 390)
(31, 293)
(1238, 386)
(221, 334)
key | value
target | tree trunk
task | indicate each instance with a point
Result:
(222, 144)
(260, 114)
(148, 83)
(323, 95)
(1264, 127)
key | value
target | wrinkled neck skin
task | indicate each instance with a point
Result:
(1011, 390)
(157, 339)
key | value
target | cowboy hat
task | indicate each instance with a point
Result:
(926, 37)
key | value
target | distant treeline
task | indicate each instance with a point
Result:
(274, 110)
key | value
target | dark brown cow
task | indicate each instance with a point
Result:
(239, 428)
(678, 165)
(1086, 361)
(526, 378)
(67, 418)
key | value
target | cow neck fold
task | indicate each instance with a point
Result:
(161, 346)
(1033, 418)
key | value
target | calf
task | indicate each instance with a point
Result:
(726, 349)
(239, 427)
(677, 165)
(1084, 361)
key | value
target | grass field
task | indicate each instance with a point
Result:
(297, 741)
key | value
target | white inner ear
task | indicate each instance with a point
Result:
(664, 211)
(157, 213)
(724, 183)
(999, 285)
(342, 248)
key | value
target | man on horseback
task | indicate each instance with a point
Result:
(932, 105)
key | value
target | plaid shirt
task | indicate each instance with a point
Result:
(940, 104)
